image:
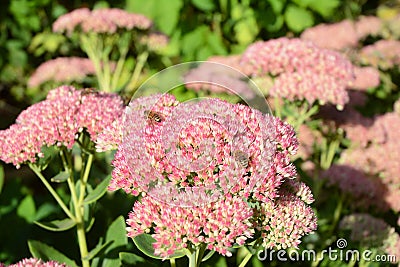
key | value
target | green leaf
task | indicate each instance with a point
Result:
(193, 41)
(61, 177)
(57, 225)
(46, 253)
(325, 8)
(144, 243)
(216, 44)
(246, 29)
(45, 210)
(204, 5)
(132, 259)
(165, 13)
(26, 209)
(221, 262)
(277, 5)
(297, 18)
(94, 252)
(302, 3)
(208, 255)
(116, 236)
(1, 178)
(98, 192)
(117, 232)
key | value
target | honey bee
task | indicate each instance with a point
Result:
(154, 116)
(242, 158)
(88, 91)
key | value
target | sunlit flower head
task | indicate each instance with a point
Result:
(335, 36)
(205, 170)
(58, 120)
(107, 20)
(372, 232)
(302, 70)
(32, 262)
(62, 70)
(383, 54)
(365, 78)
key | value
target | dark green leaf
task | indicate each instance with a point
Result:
(116, 236)
(98, 192)
(297, 18)
(26, 209)
(208, 255)
(57, 225)
(326, 8)
(277, 5)
(165, 13)
(117, 232)
(94, 252)
(61, 177)
(45, 210)
(144, 243)
(46, 253)
(204, 5)
(134, 260)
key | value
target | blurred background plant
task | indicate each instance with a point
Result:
(349, 148)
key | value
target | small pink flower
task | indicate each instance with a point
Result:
(56, 121)
(210, 173)
(372, 232)
(100, 21)
(32, 262)
(302, 70)
(365, 78)
(383, 54)
(344, 32)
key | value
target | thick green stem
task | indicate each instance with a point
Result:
(246, 259)
(89, 46)
(52, 191)
(138, 69)
(192, 259)
(195, 256)
(85, 178)
(78, 202)
(172, 262)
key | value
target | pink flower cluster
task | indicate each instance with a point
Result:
(107, 20)
(365, 78)
(63, 70)
(372, 232)
(217, 77)
(347, 34)
(303, 70)
(384, 54)
(56, 121)
(154, 41)
(32, 262)
(211, 173)
(374, 154)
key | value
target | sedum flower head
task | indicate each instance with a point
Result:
(56, 121)
(32, 262)
(219, 224)
(383, 54)
(365, 78)
(372, 232)
(207, 171)
(344, 32)
(107, 20)
(303, 70)
(63, 70)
